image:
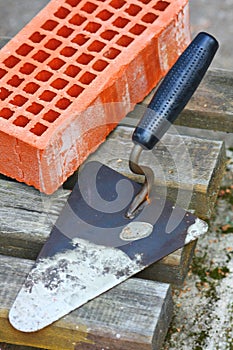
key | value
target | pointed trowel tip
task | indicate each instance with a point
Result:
(19, 324)
(29, 313)
(20, 320)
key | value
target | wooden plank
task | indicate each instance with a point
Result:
(188, 168)
(26, 224)
(27, 217)
(211, 106)
(133, 315)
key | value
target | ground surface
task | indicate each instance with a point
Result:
(203, 317)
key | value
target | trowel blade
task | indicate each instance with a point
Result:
(93, 246)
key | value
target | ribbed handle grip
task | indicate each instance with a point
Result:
(175, 90)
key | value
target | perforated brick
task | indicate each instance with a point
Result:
(73, 73)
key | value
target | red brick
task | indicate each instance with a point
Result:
(73, 73)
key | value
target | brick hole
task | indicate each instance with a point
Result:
(24, 50)
(92, 27)
(53, 44)
(96, 46)
(108, 34)
(117, 3)
(72, 71)
(40, 56)
(137, 29)
(80, 39)
(4, 93)
(39, 129)
(56, 63)
(65, 31)
(51, 116)
(59, 83)
(73, 3)
(145, 1)
(84, 58)
(133, 10)
(120, 22)
(87, 78)
(149, 17)
(112, 53)
(75, 90)
(19, 100)
(49, 25)
(104, 15)
(6, 113)
(124, 40)
(27, 68)
(100, 65)
(2, 73)
(68, 51)
(31, 88)
(89, 7)
(21, 121)
(15, 81)
(11, 61)
(63, 103)
(35, 108)
(161, 5)
(47, 95)
(44, 75)
(77, 20)
(37, 37)
(62, 12)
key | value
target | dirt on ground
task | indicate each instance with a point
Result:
(203, 315)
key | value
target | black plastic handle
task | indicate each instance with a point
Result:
(175, 90)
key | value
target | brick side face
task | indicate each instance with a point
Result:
(73, 73)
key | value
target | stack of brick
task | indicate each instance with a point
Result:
(71, 74)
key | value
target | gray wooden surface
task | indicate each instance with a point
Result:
(211, 106)
(133, 315)
(188, 168)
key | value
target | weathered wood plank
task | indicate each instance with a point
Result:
(26, 224)
(133, 315)
(188, 169)
(26, 218)
(211, 106)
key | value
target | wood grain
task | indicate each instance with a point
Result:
(211, 106)
(130, 316)
(188, 169)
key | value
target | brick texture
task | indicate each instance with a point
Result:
(71, 74)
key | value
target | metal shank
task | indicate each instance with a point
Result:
(143, 195)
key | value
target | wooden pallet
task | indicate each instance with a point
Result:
(136, 314)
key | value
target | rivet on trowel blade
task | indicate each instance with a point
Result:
(136, 230)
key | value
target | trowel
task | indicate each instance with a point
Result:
(112, 227)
